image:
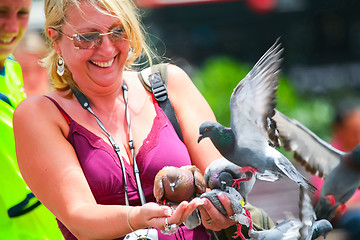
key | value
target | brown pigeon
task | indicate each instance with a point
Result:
(172, 185)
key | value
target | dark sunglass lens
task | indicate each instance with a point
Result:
(118, 34)
(87, 40)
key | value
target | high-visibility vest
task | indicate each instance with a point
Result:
(21, 214)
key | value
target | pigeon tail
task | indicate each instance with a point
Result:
(286, 167)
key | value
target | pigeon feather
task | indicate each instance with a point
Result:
(252, 106)
(340, 170)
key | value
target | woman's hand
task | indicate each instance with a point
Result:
(213, 219)
(155, 215)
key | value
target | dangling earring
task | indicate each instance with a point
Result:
(131, 51)
(60, 66)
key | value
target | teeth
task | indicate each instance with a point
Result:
(6, 40)
(103, 64)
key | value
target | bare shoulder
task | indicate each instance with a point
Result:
(176, 74)
(179, 81)
(33, 105)
(36, 111)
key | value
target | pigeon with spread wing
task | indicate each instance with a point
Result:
(252, 105)
(311, 227)
(341, 170)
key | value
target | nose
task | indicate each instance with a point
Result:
(11, 24)
(106, 44)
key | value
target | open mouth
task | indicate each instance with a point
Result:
(7, 40)
(103, 64)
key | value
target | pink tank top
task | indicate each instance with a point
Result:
(102, 168)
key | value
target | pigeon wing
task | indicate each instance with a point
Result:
(315, 154)
(306, 213)
(199, 179)
(252, 102)
(158, 185)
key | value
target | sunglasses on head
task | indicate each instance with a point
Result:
(94, 39)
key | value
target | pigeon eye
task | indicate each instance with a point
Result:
(206, 130)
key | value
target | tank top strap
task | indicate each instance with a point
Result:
(66, 116)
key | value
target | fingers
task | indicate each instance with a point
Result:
(184, 210)
(213, 219)
(225, 201)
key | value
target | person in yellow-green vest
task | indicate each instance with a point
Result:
(22, 216)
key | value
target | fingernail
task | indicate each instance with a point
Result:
(168, 212)
(221, 196)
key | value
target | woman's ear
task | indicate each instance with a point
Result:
(54, 36)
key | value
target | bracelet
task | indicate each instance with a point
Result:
(128, 219)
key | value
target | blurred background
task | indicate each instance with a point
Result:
(218, 42)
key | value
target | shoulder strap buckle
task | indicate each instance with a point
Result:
(158, 87)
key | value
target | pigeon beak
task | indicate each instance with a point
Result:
(201, 137)
(172, 186)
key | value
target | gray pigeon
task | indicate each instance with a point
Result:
(287, 229)
(312, 228)
(252, 105)
(340, 170)
(242, 215)
(221, 173)
(304, 228)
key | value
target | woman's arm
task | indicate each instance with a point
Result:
(192, 110)
(51, 169)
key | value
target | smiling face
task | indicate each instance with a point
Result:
(14, 19)
(92, 68)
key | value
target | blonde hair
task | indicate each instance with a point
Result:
(124, 10)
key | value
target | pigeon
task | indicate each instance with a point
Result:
(221, 173)
(304, 228)
(252, 137)
(242, 215)
(312, 228)
(287, 229)
(172, 185)
(340, 170)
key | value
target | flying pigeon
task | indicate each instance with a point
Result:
(341, 170)
(172, 185)
(250, 140)
(242, 215)
(312, 228)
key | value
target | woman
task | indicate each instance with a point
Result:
(66, 157)
(21, 214)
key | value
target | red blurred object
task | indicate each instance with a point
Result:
(262, 6)
(167, 3)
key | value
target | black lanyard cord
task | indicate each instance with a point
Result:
(132, 147)
(86, 105)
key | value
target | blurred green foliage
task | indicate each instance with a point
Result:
(219, 76)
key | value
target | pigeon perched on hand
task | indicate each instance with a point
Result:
(252, 105)
(172, 185)
(241, 214)
(340, 170)
(221, 173)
